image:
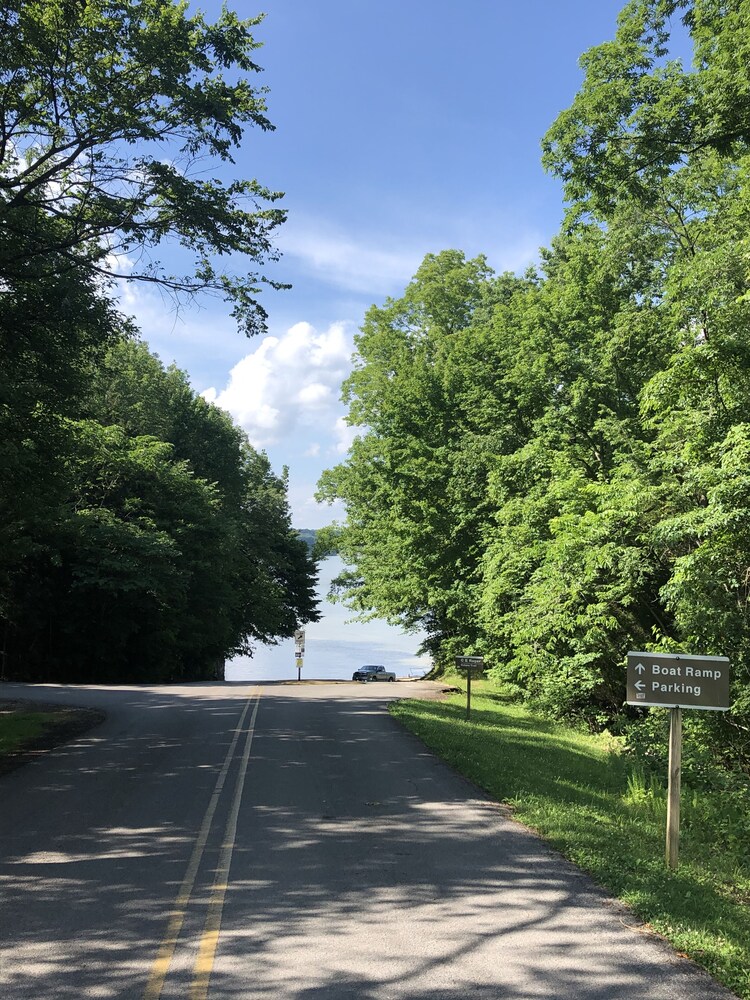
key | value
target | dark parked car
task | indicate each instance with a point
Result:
(373, 672)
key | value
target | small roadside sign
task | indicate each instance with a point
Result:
(299, 650)
(678, 680)
(470, 662)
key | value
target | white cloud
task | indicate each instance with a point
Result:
(344, 262)
(308, 513)
(314, 394)
(345, 435)
(289, 382)
(121, 265)
(514, 256)
(379, 265)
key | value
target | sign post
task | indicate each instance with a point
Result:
(677, 681)
(299, 650)
(675, 782)
(469, 663)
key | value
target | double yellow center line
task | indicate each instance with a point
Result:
(210, 937)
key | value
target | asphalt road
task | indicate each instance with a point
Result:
(290, 841)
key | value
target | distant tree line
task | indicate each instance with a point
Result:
(308, 536)
(141, 536)
(554, 468)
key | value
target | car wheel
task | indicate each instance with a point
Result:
(391, 678)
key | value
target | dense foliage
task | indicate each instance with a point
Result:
(555, 468)
(141, 536)
(147, 540)
(110, 115)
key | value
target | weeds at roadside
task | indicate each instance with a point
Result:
(19, 728)
(27, 729)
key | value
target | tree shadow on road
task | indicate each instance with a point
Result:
(363, 867)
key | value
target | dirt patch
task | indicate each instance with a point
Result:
(64, 724)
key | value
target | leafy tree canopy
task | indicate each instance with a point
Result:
(107, 110)
(553, 469)
(641, 114)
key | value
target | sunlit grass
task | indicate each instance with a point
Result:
(22, 728)
(17, 729)
(600, 810)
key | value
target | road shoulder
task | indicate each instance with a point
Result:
(49, 726)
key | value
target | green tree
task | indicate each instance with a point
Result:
(640, 115)
(650, 147)
(414, 484)
(140, 534)
(551, 469)
(167, 552)
(54, 326)
(109, 115)
(255, 580)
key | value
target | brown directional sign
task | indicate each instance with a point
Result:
(678, 680)
(470, 662)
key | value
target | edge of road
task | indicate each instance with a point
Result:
(66, 723)
(605, 896)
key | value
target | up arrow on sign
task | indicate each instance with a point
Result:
(678, 679)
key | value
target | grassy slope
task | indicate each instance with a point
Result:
(26, 728)
(17, 729)
(579, 792)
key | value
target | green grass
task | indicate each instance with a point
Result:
(596, 807)
(18, 729)
(26, 727)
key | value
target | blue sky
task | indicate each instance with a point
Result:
(403, 127)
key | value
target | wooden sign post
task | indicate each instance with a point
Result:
(677, 681)
(675, 782)
(469, 664)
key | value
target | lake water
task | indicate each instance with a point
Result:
(334, 646)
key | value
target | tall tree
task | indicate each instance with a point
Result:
(170, 548)
(55, 324)
(649, 141)
(640, 115)
(128, 506)
(553, 469)
(109, 116)
(415, 482)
